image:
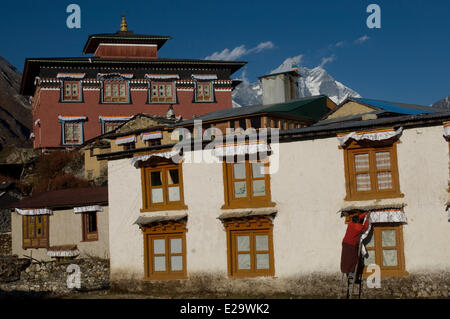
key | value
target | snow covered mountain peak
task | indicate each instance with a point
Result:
(314, 81)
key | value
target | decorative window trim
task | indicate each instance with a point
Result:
(115, 77)
(165, 81)
(35, 242)
(112, 119)
(245, 202)
(77, 119)
(373, 136)
(164, 230)
(226, 150)
(80, 90)
(34, 211)
(91, 208)
(256, 225)
(204, 79)
(138, 160)
(151, 136)
(77, 76)
(447, 131)
(147, 205)
(374, 193)
(126, 140)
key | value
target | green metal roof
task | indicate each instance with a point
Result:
(313, 108)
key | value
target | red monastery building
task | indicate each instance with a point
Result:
(76, 99)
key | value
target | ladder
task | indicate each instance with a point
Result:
(357, 276)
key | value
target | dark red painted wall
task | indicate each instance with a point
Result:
(48, 134)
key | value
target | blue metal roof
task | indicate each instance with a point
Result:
(400, 108)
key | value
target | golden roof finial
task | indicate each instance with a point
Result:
(123, 25)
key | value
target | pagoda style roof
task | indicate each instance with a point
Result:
(33, 65)
(123, 37)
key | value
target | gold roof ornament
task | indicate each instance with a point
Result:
(123, 25)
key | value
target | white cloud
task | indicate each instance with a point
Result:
(327, 60)
(262, 46)
(362, 39)
(240, 51)
(339, 44)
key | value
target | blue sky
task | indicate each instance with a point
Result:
(406, 60)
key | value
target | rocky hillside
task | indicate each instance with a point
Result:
(15, 111)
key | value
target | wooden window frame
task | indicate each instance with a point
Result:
(34, 241)
(147, 205)
(162, 99)
(165, 231)
(257, 225)
(388, 271)
(153, 142)
(89, 236)
(114, 124)
(129, 146)
(71, 98)
(202, 98)
(350, 176)
(118, 99)
(80, 123)
(250, 201)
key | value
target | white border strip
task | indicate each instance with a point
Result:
(34, 211)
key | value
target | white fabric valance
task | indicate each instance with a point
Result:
(91, 208)
(162, 76)
(387, 216)
(34, 211)
(447, 131)
(124, 140)
(70, 75)
(381, 216)
(31, 135)
(72, 118)
(37, 122)
(114, 118)
(125, 76)
(205, 77)
(63, 253)
(375, 136)
(151, 136)
(241, 149)
(135, 160)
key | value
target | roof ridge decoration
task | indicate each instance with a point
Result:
(370, 136)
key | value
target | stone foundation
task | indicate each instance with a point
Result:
(51, 277)
(5, 244)
(317, 285)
